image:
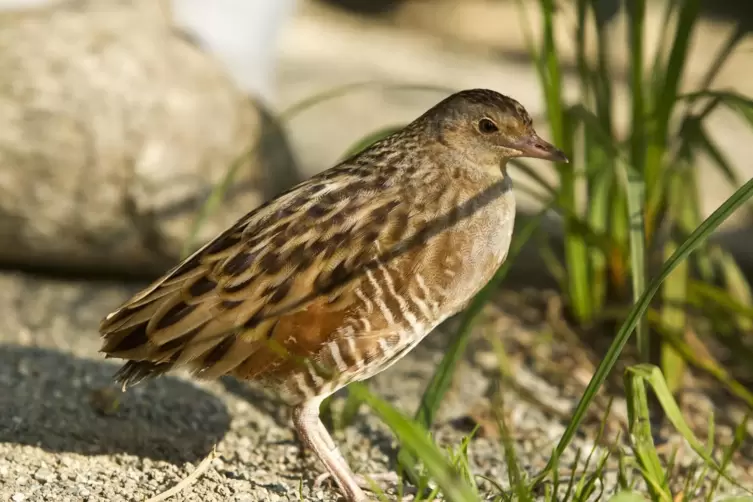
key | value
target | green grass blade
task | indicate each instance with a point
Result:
(599, 152)
(741, 434)
(667, 95)
(416, 440)
(725, 51)
(651, 375)
(736, 101)
(666, 99)
(737, 287)
(639, 309)
(709, 365)
(635, 190)
(603, 78)
(370, 139)
(674, 289)
(638, 135)
(533, 174)
(696, 137)
(659, 64)
(340, 91)
(642, 438)
(598, 219)
(620, 233)
(576, 251)
(515, 473)
(719, 297)
(213, 202)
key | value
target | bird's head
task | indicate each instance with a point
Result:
(488, 128)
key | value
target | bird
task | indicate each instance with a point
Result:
(340, 276)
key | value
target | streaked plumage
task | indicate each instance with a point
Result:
(339, 277)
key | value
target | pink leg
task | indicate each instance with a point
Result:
(315, 436)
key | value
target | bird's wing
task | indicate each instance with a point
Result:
(300, 252)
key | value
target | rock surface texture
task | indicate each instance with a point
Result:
(113, 130)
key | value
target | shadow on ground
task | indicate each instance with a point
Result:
(45, 398)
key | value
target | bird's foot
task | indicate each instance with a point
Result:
(367, 481)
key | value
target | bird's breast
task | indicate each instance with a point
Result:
(467, 247)
(482, 246)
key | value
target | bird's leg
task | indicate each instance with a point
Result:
(315, 436)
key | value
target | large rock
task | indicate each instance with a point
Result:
(113, 130)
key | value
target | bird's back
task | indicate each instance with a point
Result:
(329, 282)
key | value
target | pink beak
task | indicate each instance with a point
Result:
(536, 148)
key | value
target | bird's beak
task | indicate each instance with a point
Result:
(534, 147)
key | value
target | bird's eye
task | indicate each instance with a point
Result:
(486, 126)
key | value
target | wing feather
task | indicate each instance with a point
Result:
(215, 309)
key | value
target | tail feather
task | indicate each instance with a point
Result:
(133, 372)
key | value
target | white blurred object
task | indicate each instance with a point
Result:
(242, 34)
(16, 4)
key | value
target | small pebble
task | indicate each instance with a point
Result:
(18, 497)
(44, 475)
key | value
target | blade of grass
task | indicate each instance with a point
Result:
(697, 139)
(370, 139)
(532, 173)
(635, 190)
(734, 100)
(725, 51)
(647, 374)
(514, 472)
(674, 291)
(709, 365)
(576, 251)
(340, 91)
(741, 433)
(737, 286)
(596, 89)
(642, 438)
(636, 21)
(665, 99)
(415, 439)
(659, 64)
(710, 293)
(598, 219)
